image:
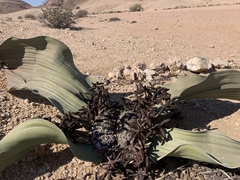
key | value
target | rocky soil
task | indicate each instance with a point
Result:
(101, 48)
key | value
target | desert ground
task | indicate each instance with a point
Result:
(100, 45)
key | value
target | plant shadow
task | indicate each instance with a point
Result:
(32, 97)
(39, 161)
(198, 113)
(119, 97)
(180, 168)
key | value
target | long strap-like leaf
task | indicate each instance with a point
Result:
(221, 84)
(45, 66)
(24, 137)
(207, 146)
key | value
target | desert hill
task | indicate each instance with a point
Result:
(8, 6)
(101, 6)
(97, 6)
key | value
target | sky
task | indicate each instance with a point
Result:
(35, 2)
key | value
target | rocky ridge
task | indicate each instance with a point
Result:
(13, 6)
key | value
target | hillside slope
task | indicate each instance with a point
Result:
(123, 5)
(8, 6)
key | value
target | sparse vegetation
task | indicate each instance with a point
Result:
(57, 17)
(182, 7)
(57, 3)
(135, 8)
(30, 16)
(109, 12)
(7, 19)
(20, 17)
(81, 13)
(114, 19)
(132, 22)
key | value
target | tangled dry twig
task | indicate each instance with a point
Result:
(122, 133)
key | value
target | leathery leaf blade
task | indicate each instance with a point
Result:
(206, 146)
(85, 152)
(24, 137)
(222, 84)
(45, 66)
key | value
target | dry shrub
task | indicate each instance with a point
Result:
(136, 7)
(30, 16)
(81, 13)
(57, 17)
(114, 19)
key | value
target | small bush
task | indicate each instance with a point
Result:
(81, 13)
(30, 16)
(136, 7)
(132, 22)
(57, 17)
(114, 19)
(7, 19)
(109, 12)
(20, 17)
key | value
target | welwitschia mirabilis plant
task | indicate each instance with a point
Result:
(45, 66)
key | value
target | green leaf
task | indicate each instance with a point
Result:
(45, 66)
(221, 84)
(24, 137)
(206, 146)
(85, 152)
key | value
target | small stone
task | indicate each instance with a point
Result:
(219, 174)
(195, 166)
(150, 72)
(117, 72)
(211, 46)
(127, 66)
(26, 101)
(14, 107)
(4, 98)
(176, 64)
(140, 74)
(141, 65)
(159, 67)
(199, 64)
(48, 174)
(231, 64)
(149, 78)
(220, 64)
(167, 74)
(129, 74)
